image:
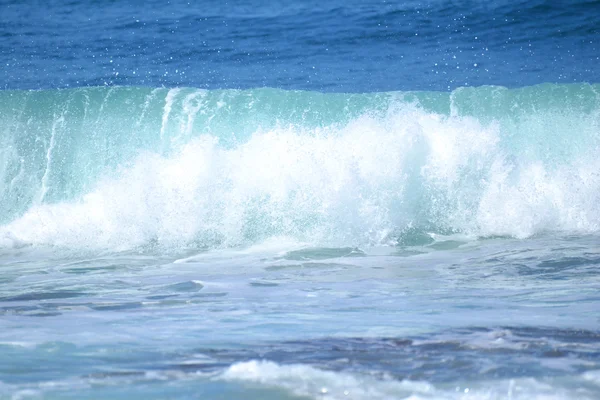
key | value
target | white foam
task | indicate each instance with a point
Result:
(353, 185)
(593, 376)
(307, 381)
(304, 380)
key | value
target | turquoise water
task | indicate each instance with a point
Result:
(178, 167)
(299, 201)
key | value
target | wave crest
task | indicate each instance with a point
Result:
(387, 169)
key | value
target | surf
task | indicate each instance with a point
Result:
(130, 167)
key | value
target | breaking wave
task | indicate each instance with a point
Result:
(124, 167)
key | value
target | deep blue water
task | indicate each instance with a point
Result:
(299, 200)
(341, 46)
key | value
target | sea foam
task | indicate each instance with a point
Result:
(373, 173)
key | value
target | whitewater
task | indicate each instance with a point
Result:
(269, 243)
(121, 168)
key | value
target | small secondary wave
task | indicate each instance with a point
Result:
(306, 381)
(123, 167)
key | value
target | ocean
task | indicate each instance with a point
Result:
(300, 200)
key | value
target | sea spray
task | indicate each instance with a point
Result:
(119, 168)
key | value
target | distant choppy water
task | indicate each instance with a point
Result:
(300, 200)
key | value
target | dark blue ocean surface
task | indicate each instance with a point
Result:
(342, 46)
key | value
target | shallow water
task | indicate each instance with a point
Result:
(454, 319)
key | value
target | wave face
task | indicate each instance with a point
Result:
(124, 167)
